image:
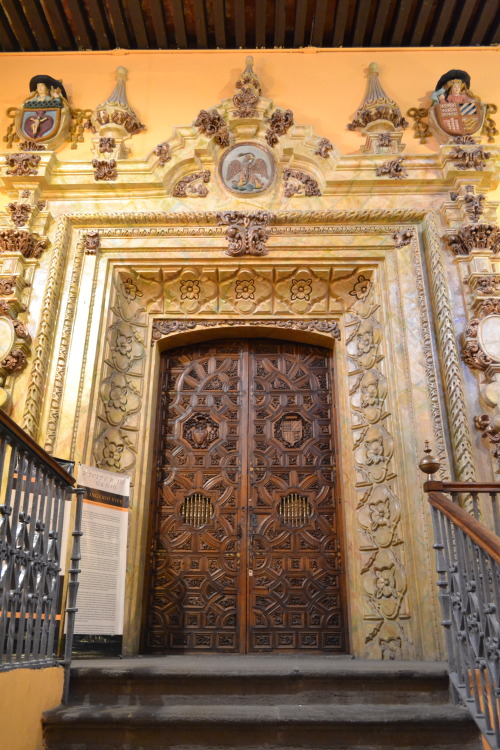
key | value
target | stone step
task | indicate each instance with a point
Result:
(255, 680)
(185, 727)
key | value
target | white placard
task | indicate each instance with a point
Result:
(101, 593)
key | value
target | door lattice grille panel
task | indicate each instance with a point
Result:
(245, 547)
(294, 510)
(196, 510)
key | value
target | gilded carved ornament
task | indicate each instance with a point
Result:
(19, 213)
(22, 165)
(455, 113)
(379, 118)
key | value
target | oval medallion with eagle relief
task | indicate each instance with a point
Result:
(247, 168)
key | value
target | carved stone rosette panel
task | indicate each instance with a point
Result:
(384, 578)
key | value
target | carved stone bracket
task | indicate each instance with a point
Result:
(299, 183)
(472, 203)
(162, 328)
(213, 125)
(92, 242)
(21, 241)
(164, 152)
(19, 213)
(104, 170)
(392, 169)
(22, 165)
(470, 158)
(280, 122)
(246, 233)
(472, 237)
(193, 185)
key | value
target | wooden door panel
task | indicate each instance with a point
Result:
(194, 587)
(245, 548)
(294, 592)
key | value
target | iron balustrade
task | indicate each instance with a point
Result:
(468, 567)
(35, 492)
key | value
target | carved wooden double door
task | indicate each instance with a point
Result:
(245, 549)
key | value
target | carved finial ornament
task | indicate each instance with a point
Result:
(248, 92)
(377, 109)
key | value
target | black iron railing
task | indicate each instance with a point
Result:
(35, 496)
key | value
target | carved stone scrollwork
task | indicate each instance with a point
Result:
(163, 328)
(14, 337)
(164, 152)
(246, 233)
(475, 237)
(324, 148)
(470, 158)
(473, 352)
(21, 241)
(402, 238)
(299, 183)
(106, 145)
(19, 213)
(473, 204)
(393, 169)
(213, 125)
(31, 146)
(193, 185)
(280, 122)
(104, 170)
(22, 165)
(248, 92)
(491, 432)
(92, 241)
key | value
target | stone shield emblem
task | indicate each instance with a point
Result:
(460, 118)
(38, 124)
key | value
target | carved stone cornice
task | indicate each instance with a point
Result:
(213, 125)
(162, 328)
(21, 241)
(19, 213)
(280, 122)
(247, 233)
(193, 185)
(472, 237)
(22, 165)
(299, 183)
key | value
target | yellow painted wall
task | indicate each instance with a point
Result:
(24, 695)
(323, 87)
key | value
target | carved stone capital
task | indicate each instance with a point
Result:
(21, 241)
(472, 237)
(246, 233)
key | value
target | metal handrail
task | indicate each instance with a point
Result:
(35, 494)
(468, 567)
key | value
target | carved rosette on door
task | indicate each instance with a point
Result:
(244, 541)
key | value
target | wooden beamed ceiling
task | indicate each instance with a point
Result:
(39, 25)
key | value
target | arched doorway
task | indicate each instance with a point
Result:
(245, 532)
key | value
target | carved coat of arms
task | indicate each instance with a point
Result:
(292, 430)
(45, 116)
(456, 111)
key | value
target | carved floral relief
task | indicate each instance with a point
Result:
(383, 574)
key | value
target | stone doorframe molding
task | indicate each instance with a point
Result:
(128, 264)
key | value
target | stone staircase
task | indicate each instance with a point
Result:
(253, 702)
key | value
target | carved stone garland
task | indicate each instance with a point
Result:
(383, 573)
